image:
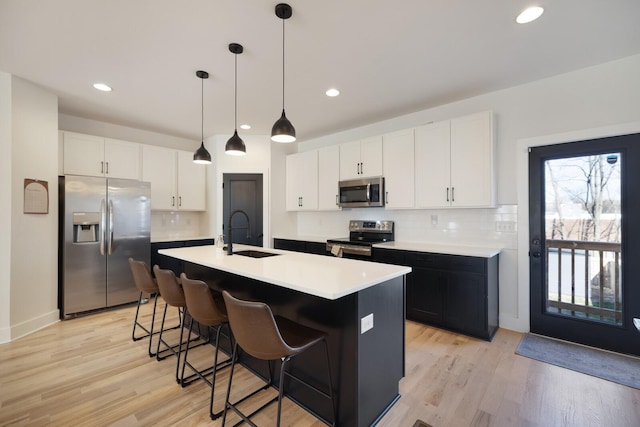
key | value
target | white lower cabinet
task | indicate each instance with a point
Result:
(302, 181)
(399, 172)
(176, 182)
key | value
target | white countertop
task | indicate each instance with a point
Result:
(440, 248)
(322, 276)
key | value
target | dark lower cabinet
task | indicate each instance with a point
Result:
(170, 263)
(318, 248)
(454, 292)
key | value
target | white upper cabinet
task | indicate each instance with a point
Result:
(361, 159)
(328, 177)
(122, 159)
(472, 165)
(302, 181)
(191, 183)
(398, 159)
(454, 163)
(433, 165)
(176, 182)
(95, 156)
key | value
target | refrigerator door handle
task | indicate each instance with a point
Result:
(110, 242)
(103, 224)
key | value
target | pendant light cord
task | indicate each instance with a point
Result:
(202, 108)
(283, 64)
(235, 112)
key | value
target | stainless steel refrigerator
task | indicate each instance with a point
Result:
(103, 222)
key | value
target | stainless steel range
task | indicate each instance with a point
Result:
(362, 236)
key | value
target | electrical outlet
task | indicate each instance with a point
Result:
(506, 226)
(366, 323)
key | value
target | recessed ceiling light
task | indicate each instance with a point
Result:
(332, 92)
(529, 14)
(245, 127)
(103, 87)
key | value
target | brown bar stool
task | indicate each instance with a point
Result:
(266, 337)
(146, 284)
(208, 311)
(173, 295)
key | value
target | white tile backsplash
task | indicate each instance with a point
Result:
(175, 224)
(473, 227)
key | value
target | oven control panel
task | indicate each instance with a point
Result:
(375, 226)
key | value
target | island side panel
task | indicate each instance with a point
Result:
(338, 318)
(381, 349)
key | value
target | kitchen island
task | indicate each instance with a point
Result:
(359, 304)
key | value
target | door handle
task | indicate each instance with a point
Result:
(110, 242)
(103, 224)
(536, 254)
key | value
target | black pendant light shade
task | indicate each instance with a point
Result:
(283, 130)
(201, 155)
(235, 145)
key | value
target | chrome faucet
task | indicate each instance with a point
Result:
(248, 227)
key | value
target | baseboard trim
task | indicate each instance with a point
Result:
(32, 325)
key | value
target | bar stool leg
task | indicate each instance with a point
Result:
(281, 388)
(182, 316)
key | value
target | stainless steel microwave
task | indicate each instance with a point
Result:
(363, 192)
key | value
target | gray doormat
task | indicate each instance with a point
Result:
(587, 360)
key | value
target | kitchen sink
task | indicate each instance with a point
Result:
(254, 254)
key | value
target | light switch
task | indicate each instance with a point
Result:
(366, 323)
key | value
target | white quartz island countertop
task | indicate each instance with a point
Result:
(322, 276)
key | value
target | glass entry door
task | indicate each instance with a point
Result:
(584, 255)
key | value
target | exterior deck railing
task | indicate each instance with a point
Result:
(598, 297)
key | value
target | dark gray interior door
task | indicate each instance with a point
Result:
(244, 192)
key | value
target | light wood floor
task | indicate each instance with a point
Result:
(87, 372)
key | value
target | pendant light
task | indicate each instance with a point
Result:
(283, 130)
(235, 145)
(201, 155)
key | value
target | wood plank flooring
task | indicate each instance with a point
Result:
(88, 372)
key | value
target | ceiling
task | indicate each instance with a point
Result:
(387, 58)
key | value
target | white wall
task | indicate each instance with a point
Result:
(108, 130)
(597, 96)
(5, 214)
(257, 160)
(34, 238)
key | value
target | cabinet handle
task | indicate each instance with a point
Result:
(101, 167)
(107, 168)
(337, 203)
(453, 194)
(179, 201)
(386, 197)
(173, 200)
(447, 194)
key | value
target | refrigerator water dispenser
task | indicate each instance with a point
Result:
(86, 227)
